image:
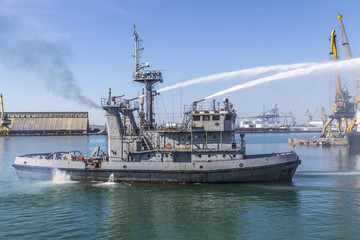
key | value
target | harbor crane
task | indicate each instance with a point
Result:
(342, 108)
(4, 121)
(321, 114)
(345, 43)
(293, 122)
(308, 114)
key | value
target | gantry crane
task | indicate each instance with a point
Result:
(345, 43)
(342, 108)
(4, 121)
(308, 114)
(293, 124)
(321, 114)
(318, 113)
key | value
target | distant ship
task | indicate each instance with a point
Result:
(203, 149)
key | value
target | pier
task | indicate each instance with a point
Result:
(301, 141)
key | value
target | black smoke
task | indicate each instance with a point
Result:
(48, 59)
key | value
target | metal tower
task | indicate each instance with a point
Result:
(148, 78)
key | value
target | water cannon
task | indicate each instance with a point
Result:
(115, 97)
(196, 102)
(127, 101)
(147, 64)
(131, 99)
(199, 100)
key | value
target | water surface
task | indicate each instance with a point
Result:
(322, 202)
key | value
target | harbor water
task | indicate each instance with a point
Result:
(322, 201)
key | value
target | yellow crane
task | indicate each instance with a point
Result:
(308, 114)
(4, 121)
(345, 43)
(293, 122)
(342, 108)
(321, 114)
(344, 40)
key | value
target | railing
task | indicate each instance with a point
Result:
(119, 102)
(200, 107)
(148, 75)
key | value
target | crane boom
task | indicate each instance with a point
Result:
(344, 40)
(345, 43)
(333, 49)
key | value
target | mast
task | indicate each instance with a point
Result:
(148, 78)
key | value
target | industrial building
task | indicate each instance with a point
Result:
(48, 123)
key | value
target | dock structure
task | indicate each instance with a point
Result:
(301, 141)
(48, 123)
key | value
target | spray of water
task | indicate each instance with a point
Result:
(47, 59)
(346, 65)
(241, 73)
(111, 178)
(60, 176)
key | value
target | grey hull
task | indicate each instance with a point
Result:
(276, 172)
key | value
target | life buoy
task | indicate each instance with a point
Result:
(79, 158)
(168, 146)
(209, 160)
(187, 145)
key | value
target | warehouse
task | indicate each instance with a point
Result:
(48, 123)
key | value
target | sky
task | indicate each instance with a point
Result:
(64, 55)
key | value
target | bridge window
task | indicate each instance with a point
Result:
(216, 117)
(196, 118)
(206, 118)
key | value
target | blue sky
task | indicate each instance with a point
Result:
(92, 42)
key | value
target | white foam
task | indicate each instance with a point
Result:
(111, 178)
(60, 177)
(319, 174)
